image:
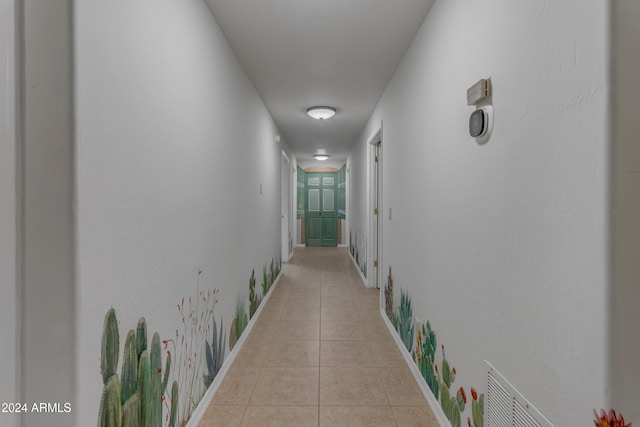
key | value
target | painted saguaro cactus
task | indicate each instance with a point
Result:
(135, 398)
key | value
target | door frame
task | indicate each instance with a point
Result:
(286, 207)
(11, 235)
(375, 202)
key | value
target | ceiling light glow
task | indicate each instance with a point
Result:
(321, 112)
(321, 157)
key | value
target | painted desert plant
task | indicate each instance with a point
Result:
(136, 397)
(239, 323)
(425, 356)
(388, 296)
(189, 349)
(452, 406)
(406, 328)
(477, 409)
(266, 281)
(253, 297)
(609, 419)
(214, 353)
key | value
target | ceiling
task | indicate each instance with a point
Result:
(300, 53)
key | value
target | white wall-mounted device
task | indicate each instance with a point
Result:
(481, 119)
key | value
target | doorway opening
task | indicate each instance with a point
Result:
(375, 210)
(286, 199)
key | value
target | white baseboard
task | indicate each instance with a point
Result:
(424, 387)
(202, 407)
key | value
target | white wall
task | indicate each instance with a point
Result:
(9, 219)
(502, 246)
(173, 144)
(48, 305)
(625, 211)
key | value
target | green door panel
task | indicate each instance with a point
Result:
(321, 215)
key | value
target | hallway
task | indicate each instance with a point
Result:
(319, 354)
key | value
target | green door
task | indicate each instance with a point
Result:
(321, 219)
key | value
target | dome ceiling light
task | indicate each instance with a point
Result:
(321, 157)
(321, 112)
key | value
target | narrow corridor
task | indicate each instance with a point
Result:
(319, 354)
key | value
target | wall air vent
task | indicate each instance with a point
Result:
(507, 407)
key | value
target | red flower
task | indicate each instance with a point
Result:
(609, 420)
(474, 394)
(469, 421)
(464, 395)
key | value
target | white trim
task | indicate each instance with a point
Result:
(202, 407)
(285, 204)
(375, 275)
(11, 225)
(422, 384)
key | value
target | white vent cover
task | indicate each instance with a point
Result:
(506, 407)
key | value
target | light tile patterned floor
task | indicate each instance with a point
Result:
(319, 355)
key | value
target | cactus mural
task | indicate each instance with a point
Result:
(477, 409)
(425, 357)
(405, 325)
(266, 281)
(160, 382)
(253, 297)
(358, 249)
(190, 348)
(388, 296)
(136, 397)
(440, 380)
(237, 327)
(215, 352)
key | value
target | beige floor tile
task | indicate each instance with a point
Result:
(369, 316)
(336, 290)
(339, 300)
(300, 314)
(252, 355)
(415, 416)
(304, 291)
(386, 353)
(401, 387)
(376, 329)
(351, 386)
(346, 353)
(222, 416)
(237, 386)
(290, 331)
(356, 416)
(281, 416)
(303, 300)
(339, 314)
(286, 386)
(293, 353)
(342, 331)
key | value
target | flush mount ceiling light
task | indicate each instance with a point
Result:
(321, 157)
(321, 112)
